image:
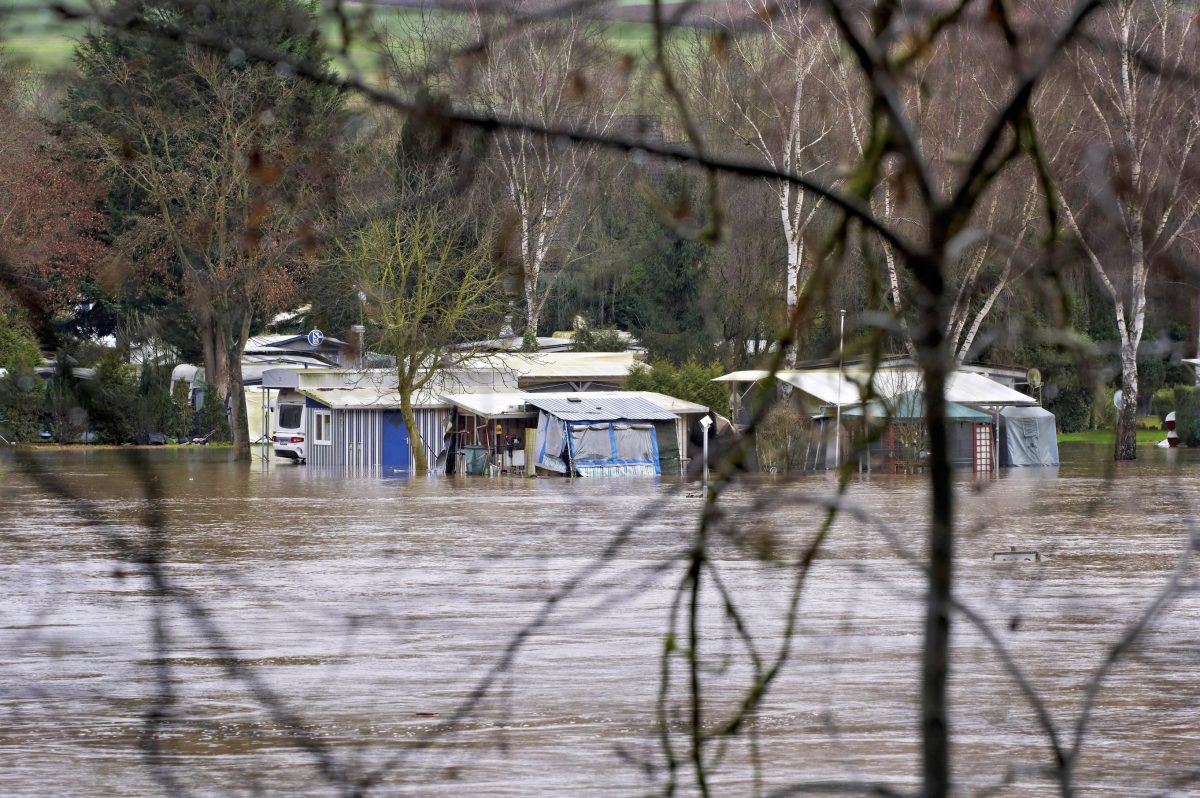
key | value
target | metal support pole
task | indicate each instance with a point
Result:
(996, 442)
(837, 432)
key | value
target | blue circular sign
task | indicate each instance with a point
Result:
(315, 337)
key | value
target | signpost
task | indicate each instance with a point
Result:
(705, 423)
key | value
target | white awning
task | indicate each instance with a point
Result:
(492, 405)
(847, 389)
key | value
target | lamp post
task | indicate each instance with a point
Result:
(837, 432)
(705, 424)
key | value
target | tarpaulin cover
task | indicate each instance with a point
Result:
(551, 440)
(603, 448)
(609, 449)
(1030, 437)
(668, 446)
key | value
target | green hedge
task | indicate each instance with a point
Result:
(1163, 401)
(1187, 415)
(692, 381)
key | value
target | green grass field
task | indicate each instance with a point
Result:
(43, 41)
(1105, 437)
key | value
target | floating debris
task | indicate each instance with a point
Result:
(1012, 555)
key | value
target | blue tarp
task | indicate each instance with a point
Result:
(597, 448)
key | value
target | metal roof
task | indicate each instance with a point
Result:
(671, 403)
(590, 407)
(519, 403)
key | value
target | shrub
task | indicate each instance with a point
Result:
(691, 381)
(112, 399)
(598, 339)
(65, 416)
(155, 409)
(20, 407)
(213, 415)
(1163, 401)
(783, 439)
(183, 418)
(1103, 411)
(1187, 415)
(19, 352)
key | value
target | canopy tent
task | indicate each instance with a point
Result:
(598, 436)
(1030, 438)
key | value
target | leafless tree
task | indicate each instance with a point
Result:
(551, 72)
(764, 89)
(1128, 164)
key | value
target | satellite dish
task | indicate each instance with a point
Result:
(1118, 395)
(1035, 378)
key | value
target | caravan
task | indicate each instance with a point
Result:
(288, 434)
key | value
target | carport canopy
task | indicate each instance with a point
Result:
(847, 388)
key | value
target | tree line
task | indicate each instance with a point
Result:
(187, 193)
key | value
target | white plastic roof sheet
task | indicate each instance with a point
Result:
(369, 398)
(846, 390)
(491, 405)
(557, 365)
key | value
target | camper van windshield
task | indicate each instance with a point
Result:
(289, 416)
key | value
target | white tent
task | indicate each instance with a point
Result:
(1030, 438)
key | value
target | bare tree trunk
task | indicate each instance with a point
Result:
(935, 661)
(216, 371)
(1126, 437)
(420, 460)
(239, 422)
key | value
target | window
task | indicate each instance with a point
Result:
(324, 427)
(290, 416)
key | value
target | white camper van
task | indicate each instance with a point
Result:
(288, 435)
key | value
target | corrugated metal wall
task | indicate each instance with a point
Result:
(364, 436)
(321, 454)
(432, 423)
(357, 437)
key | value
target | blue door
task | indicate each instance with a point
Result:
(396, 451)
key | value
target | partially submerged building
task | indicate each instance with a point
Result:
(643, 432)
(484, 415)
(891, 395)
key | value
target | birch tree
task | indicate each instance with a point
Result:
(543, 74)
(954, 93)
(764, 90)
(1129, 193)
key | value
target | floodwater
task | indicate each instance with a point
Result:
(359, 618)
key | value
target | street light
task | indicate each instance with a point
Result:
(705, 424)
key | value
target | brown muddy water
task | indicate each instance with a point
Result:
(372, 608)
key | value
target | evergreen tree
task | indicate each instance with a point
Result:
(214, 160)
